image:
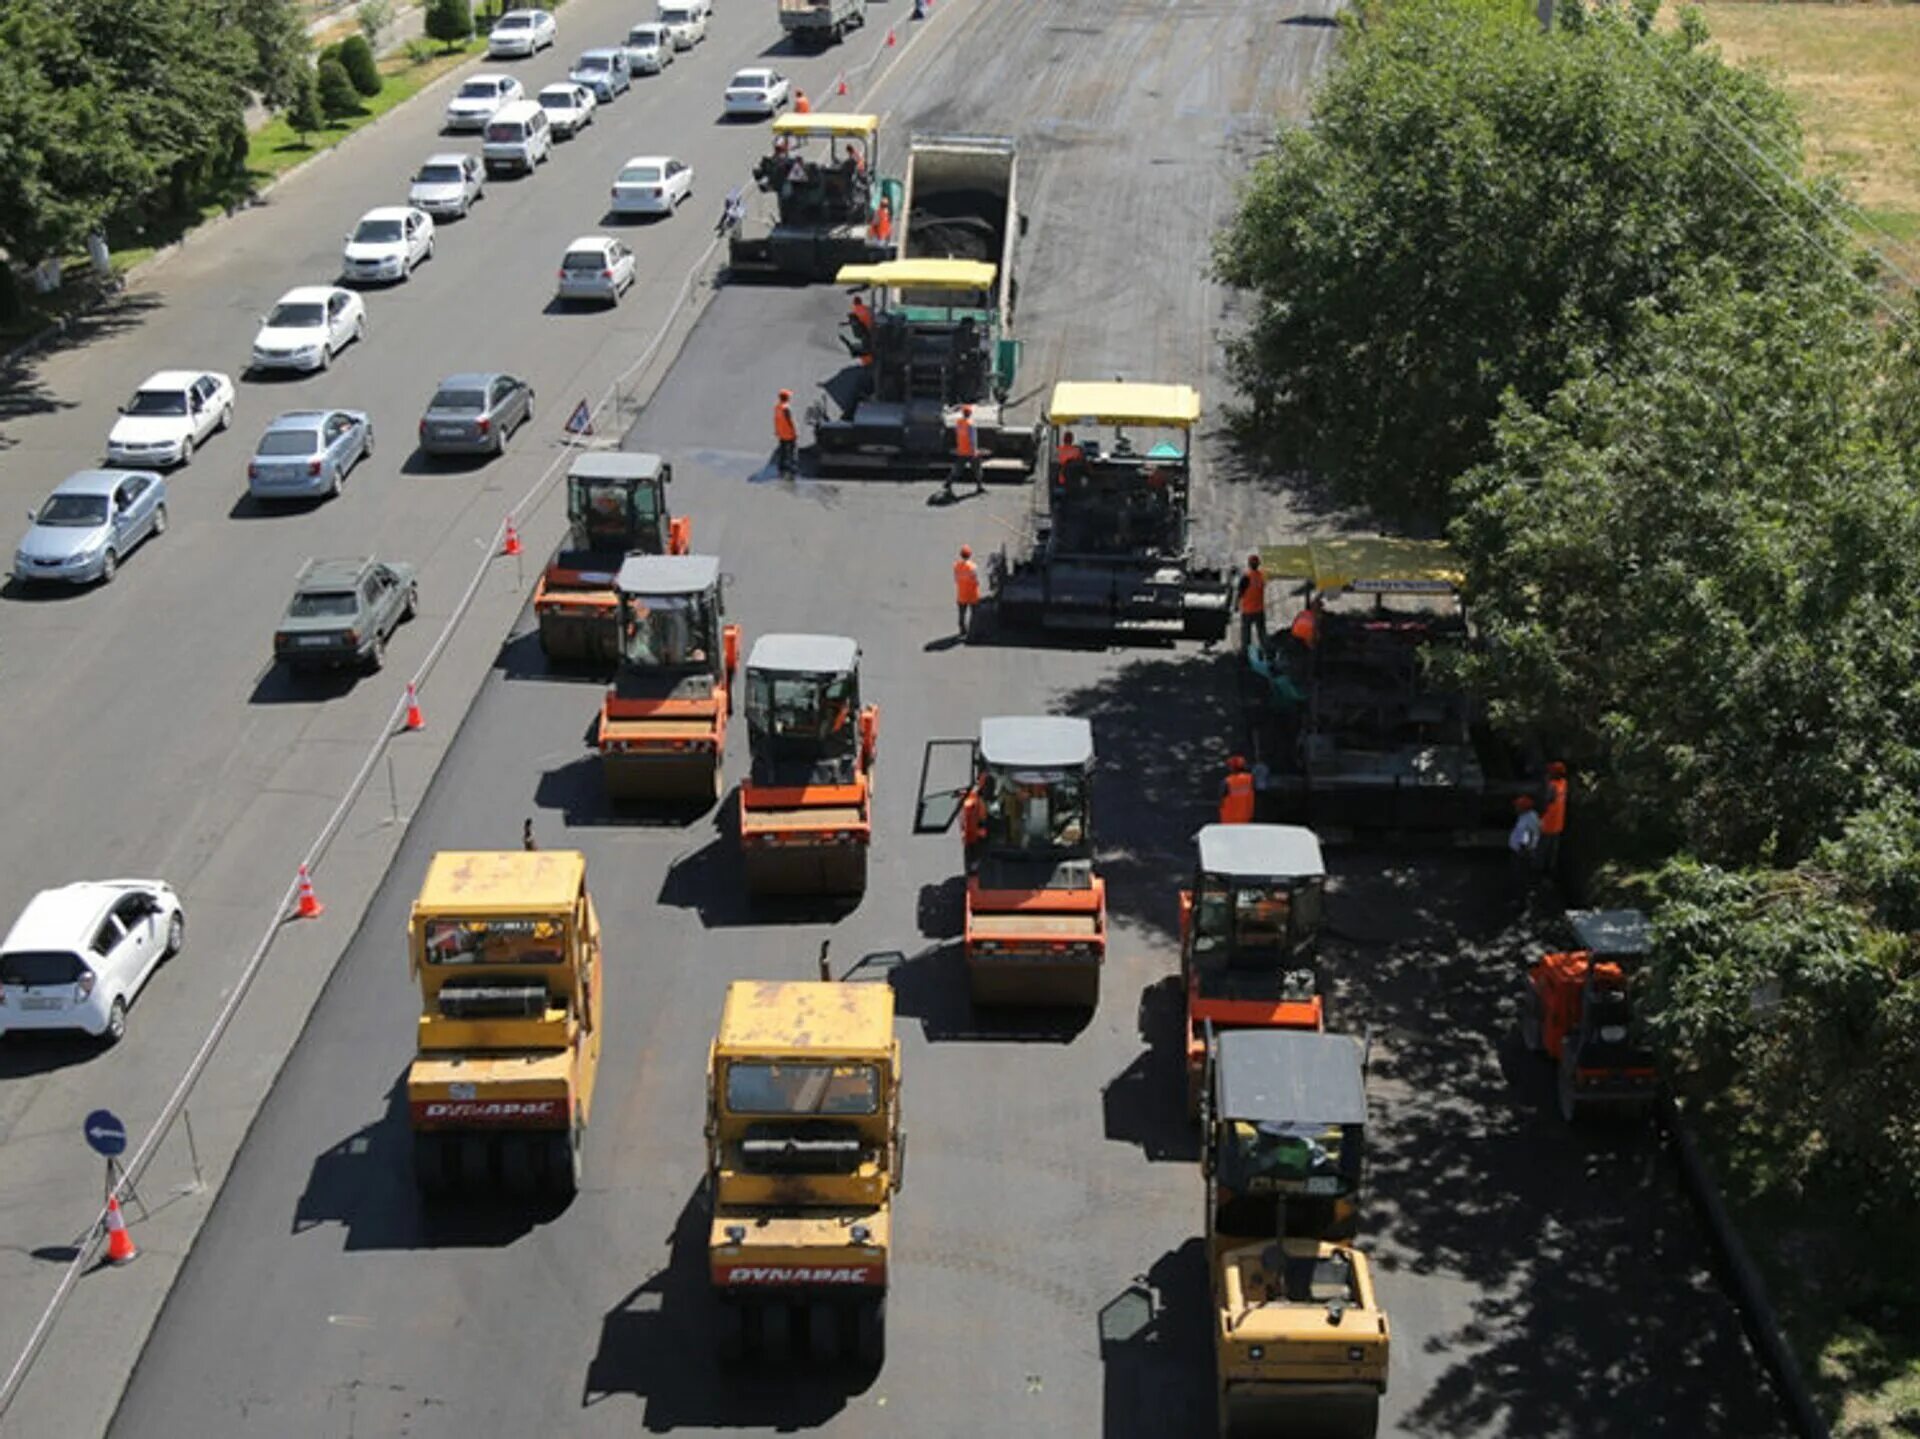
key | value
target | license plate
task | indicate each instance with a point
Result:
(449, 432)
(1323, 1184)
(41, 1004)
(313, 642)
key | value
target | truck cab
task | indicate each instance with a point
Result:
(1250, 935)
(663, 723)
(1301, 1342)
(616, 506)
(506, 950)
(1581, 1010)
(804, 1156)
(1036, 909)
(806, 808)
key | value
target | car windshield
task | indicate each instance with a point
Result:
(802, 1088)
(559, 99)
(584, 260)
(1037, 809)
(667, 631)
(73, 510)
(611, 510)
(1270, 1158)
(377, 232)
(468, 401)
(495, 941)
(302, 316)
(802, 707)
(288, 442)
(643, 36)
(593, 62)
(158, 402)
(438, 175)
(747, 80)
(513, 22)
(41, 967)
(1254, 914)
(480, 90)
(324, 605)
(641, 174)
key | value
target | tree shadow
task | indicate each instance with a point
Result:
(1145, 1104)
(23, 393)
(658, 1344)
(1155, 1352)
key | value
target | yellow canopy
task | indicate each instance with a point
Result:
(921, 274)
(841, 127)
(1114, 402)
(770, 1019)
(469, 884)
(1370, 565)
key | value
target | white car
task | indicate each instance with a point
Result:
(521, 32)
(596, 267)
(308, 328)
(649, 48)
(651, 185)
(387, 244)
(78, 956)
(168, 415)
(447, 185)
(686, 22)
(758, 92)
(473, 106)
(569, 107)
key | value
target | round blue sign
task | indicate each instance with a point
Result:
(106, 1133)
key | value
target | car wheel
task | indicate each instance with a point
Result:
(366, 450)
(429, 254)
(500, 441)
(376, 655)
(109, 566)
(176, 933)
(337, 484)
(360, 330)
(226, 416)
(117, 1022)
(326, 357)
(186, 452)
(159, 520)
(412, 606)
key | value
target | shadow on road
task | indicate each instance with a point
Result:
(1145, 1104)
(932, 987)
(24, 394)
(578, 791)
(1155, 1351)
(26, 1052)
(280, 685)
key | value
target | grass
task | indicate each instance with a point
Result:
(1847, 1291)
(1853, 73)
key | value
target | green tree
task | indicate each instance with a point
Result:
(278, 35)
(450, 21)
(356, 55)
(1474, 203)
(338, 98)
(305, 114)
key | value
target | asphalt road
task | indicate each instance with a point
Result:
(152, 737)
(1048, 1278)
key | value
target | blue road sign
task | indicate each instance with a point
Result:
(106, 1133)
(580, 422)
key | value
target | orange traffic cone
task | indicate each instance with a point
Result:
(889, 37)
(512, 546)
(841, 87)
(309, 906)
(120, 1248)
(414, 719)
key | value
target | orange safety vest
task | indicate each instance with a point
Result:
(1236, 801)
(783, 422)
(862, 314)
(973, 819)
(1305, 627)
(883, 222)
(1253, 599)
(963, 438)
(966, 583)
(801, 104)
(1553, 820)
(1066, 455)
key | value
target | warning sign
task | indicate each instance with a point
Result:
(580, 422)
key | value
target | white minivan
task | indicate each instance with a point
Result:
(686, 21)
(649, 48)
(518, 137)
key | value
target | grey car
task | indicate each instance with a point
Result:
(473, 414)
(89, 524)
(308, 453)
(343, 612)
(446, 186)
(602, 71)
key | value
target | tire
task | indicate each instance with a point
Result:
(823, 1331)
(430, 1167)
(116, 1022)
(366, 450)
(1531, 1037)
(500, 441)
(326, 357)
(109, 566)
(476, 1163)
(360, 330)
(376, 654)
(776, 1331)
(870, 1333)
(226, 417)
(730, 1333)
(338, 484)
(1567, 1101)
(565, 1166)
(176, 934)
(186, 453)
(159, 521)
(517, 1167)
(412, 606)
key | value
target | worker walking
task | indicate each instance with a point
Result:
(966, 454)
(1523, 850)
(1553, 819)
(1236, 793)
(966, 589)
(785, 436)
(1253, 605)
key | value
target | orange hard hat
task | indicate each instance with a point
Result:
(1236, 763)
(966, 552)
(1523, 802)
(1253, 561)
(966, 409)
(1556, 770)
(786, 394)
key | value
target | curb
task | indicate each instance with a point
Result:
(1748, 1287)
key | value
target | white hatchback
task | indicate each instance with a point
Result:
(596, 267)
(651, 185)
(78, 956)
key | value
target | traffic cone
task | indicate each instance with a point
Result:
(120, 1248)
(309, 906)
(889, 37)
(512, 546)
(841, 87)
(414, 720)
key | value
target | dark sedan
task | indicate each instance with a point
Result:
(473, 414)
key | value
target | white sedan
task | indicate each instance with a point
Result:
(78, 956)
(521, 32)
(477, 100)
(168, 415)
(596, 267)
(569, 107)
(758, 92)
(651, 185)
(387, 244)
(308, 328)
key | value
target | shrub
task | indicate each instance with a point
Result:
(338, 98)
(356, 55)
(450, 21)
(304, 112)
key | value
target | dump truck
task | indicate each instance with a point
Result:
(1301, 1342)
(1361, 731)
(822, 191)
(1108, 546)
(663, 723)
(1580, 1009)
(506, 947)
(616, 506)
(1036, 909)
(804, 1156)
(1250, 936)
(820, 23)
(806, 807)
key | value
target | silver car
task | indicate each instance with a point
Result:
(448, 185)
(89, 524)
(308, 453)
(473, 414)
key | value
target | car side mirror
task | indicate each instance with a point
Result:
(120, 409)
(33, 517)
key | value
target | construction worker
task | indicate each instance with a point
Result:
(801, 104)
(966, 589)
(966, 454)
(1553, 819)
(1068, 455)
(1523, 849)
(882, 227)
(973, 821)
(1305, 628)
(1253, 605)
(786, 437)
(860, 321)
(1236, 793)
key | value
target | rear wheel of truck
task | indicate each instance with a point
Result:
(870, 1333)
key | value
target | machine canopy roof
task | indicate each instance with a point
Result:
(1115, 402)
(668, 574)
(483, 883)
(767, 1019)
(920, 274)
(1261, 851)
(805, 654)
(617, 465)
(1367, 566)
(838, 126)
(1036, 742)
(1277, 1076)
